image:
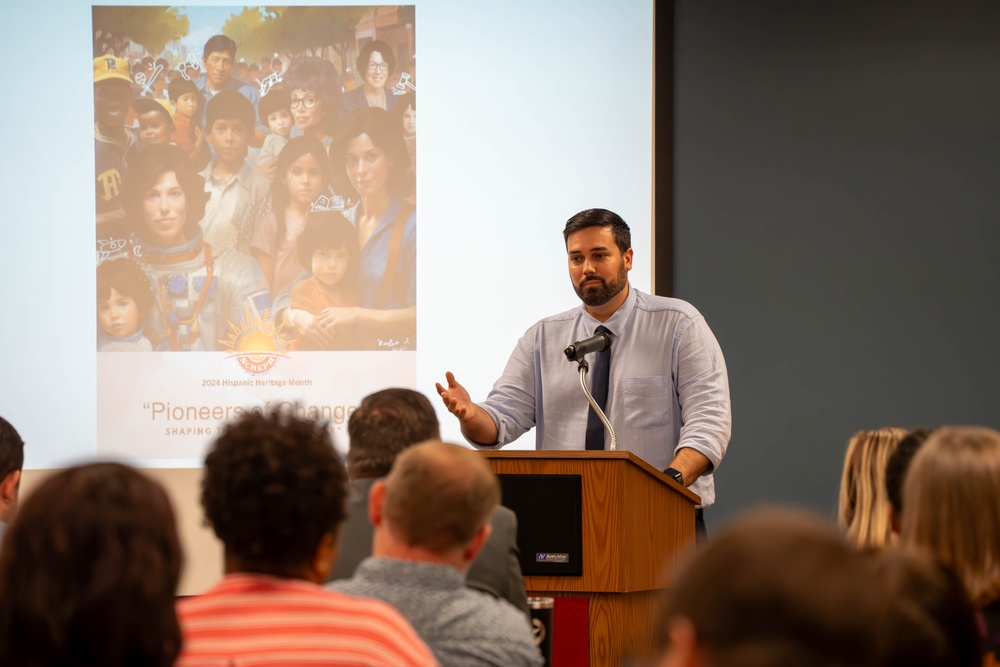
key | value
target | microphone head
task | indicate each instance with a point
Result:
(596, 343)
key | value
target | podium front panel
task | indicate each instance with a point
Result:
(549, 511)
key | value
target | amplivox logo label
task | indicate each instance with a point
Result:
(551, 558)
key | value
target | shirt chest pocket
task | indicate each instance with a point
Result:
(646, 401)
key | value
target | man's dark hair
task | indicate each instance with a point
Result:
(899, 463)
(229, 105)
(929, 621)
(89, 572)
(778, 587)
(386, 423)
(600, 217)
(273, 488)
(11, 449)
(219, 44)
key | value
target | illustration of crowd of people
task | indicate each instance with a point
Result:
(270, 196)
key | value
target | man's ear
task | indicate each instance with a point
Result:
(376, 501)
(627, 259)
(893, 520)
(682, 645)
(324, 558)
(476, 544)
(8, 489)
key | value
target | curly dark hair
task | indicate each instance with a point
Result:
(89, 572)
(386, 423)
(273, 488)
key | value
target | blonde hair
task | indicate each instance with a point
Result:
(952, 499)
(864, 501)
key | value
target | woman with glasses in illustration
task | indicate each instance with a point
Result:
(375, 65)
(316, 97)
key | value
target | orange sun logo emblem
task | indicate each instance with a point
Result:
(256, 343)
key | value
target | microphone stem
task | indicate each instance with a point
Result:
(600, 413)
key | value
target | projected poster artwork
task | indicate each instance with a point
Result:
(255, 216)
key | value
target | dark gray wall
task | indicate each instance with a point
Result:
(837, 221)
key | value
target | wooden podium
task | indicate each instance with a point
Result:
(636, 522)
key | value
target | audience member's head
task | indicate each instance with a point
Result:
(11, 462)
(89, 572)
(952, 498)
(895, 471)
(864, 505)
(929, 620)
(274, 493)
(776, 588)
(435, 505)
(386, 423)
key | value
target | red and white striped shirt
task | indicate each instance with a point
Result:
(253, 620)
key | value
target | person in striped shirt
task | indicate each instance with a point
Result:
(274, 492)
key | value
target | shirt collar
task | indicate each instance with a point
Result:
(242, 176)
(619, 321)
(417, 573)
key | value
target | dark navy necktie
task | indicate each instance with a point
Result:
(599, 390)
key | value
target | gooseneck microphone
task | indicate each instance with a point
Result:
(596, 343)
(599, 342)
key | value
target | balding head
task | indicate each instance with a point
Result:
(439, 496)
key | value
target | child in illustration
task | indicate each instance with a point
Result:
(274, 110)
(185, 100)
(328, 249)
(406, 112)
(302, 175)
(239, 196)
(124, 299)
(156, 120)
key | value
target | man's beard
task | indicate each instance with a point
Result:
(598, 296)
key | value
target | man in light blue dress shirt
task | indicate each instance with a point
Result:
(669, 390)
